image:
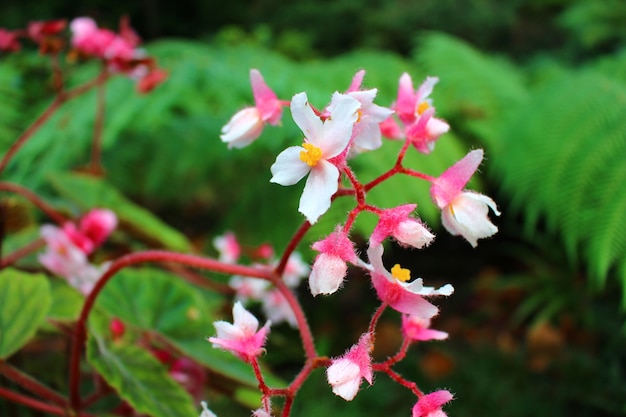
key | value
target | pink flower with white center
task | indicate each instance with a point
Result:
(406, 230)
(323, 141)
(418, 329)
(396, 288)
(416, 111)
(277, 309)
(430, 405)
(464, 212)
(295, 270)
(205, 410)
(228, 248)
(330, 268)
(247, 124)
(241, 338)
(249, 289)
(62, 257)
(345, 373)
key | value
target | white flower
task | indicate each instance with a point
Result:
(322, 142)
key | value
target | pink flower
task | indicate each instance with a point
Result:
(418, 329)
(228, 247)
(260, 413)
(345, 373)
(240, 338)
(8, 41)
(277, 309)
(406, 230)
(397, 289)
(248, 289)
(93, 229)
(295, 270)
(430, 405)
(463, 212)
(62, 257)
(416, 111)
(323, 141)
(247, 124)
(330, 268)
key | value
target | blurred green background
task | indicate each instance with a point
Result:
(537, 321)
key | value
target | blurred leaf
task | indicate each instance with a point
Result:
(157, 301)
(66, 302)
(24, 303)
(139, 378)
(90, 192)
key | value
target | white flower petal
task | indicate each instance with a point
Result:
(338, 127)
(320, 187)
(289, 168)
(244, 320)
(305, 117)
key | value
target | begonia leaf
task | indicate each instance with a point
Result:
(157, 301)
(24, 302)
(89, 192)
(139, 378)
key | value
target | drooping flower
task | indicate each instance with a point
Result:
(241, 338)
(322, 142)
(398, 290)
(464, 212)
(345, 373)
(429, 405)
(295, 270)
(90, 40)
(9, 41)
(247, 124)
(330, 268)
(418, 329)
(396, 222)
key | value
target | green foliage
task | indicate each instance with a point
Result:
(90, 192)
(157, 302)
(11, 98)
(564, 163)
(595, 24)
(476, 91)
(24, 303)
(139, 378)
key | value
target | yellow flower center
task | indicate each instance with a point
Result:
(401, 274)
(359, 115)
(422, 107)
(311, 154)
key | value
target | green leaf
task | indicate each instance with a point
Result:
(157, 301)
(24, 303)
(140, 379)
(66, 302)
(90, 192)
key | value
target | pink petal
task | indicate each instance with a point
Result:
(357, 80)
(243, 128)
(450, 184)
(327, 274)
(265, 99)
(407, 99)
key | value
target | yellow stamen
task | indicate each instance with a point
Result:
(311, 155)
(359, 114)
(422, 107)
(401, 274)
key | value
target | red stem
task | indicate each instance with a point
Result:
(133, 259)
(303, 326)
(11, 258)
(29, 383)
(379, 312)
(293, 244)
(36, 404)
(34, 198)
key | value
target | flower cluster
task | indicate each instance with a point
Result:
(347, 126)
(119, 51)
(68, 247)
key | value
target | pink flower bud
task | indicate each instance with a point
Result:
(430, 405)
(330, 268)
(345, 373)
